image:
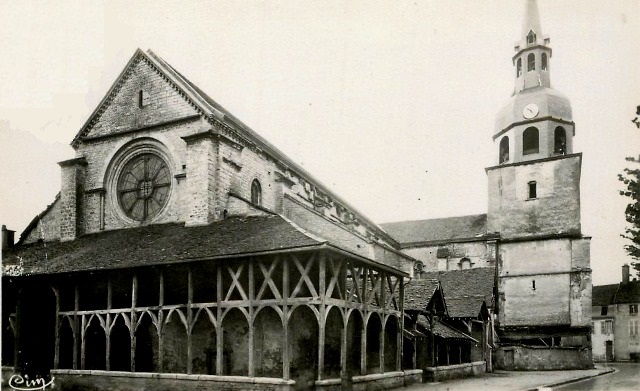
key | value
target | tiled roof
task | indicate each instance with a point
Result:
(603, 295)
(628, 293)
(417, 293)
(465, 290)
(438, 230)
(443, 330)
(157, 244)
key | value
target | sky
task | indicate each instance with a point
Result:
(389, 103)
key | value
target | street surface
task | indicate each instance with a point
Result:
(626, 377)
(510, 381)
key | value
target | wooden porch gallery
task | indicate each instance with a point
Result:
(301, 315)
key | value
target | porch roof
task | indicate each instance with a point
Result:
(443, 330)
(167, 243)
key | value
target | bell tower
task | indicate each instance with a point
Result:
(535, 188)
(544, 275)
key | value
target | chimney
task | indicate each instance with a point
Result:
(625, 274)
(71, 193)
(7, 237)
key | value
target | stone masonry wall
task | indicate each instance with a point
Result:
(48, 227)
(555, 210)
(162, 103)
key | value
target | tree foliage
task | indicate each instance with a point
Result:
(631, 180)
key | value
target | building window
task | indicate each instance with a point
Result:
(533, 284)
(519, 67)
(256, 193)
(465, 263)
(633, 328)
(544, 63)
(531, 37)
(633, 309)
(504, 150)
(593, 327)
(606, 327)
(143, 98)
(143, 186)
(531, 62)
(560, 141)
(604, 310)
(530, 143)
(533, 193)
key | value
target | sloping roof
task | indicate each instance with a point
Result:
(628, 293)
(443, 330)
(163, 243)
(418, 293)
(603, 295)
(449, 229)
(34, 222)
(465, 290)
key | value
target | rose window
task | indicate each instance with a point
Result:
(143, 186)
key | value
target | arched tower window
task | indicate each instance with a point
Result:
(544, 65)
(256, 193)
(560, 141)
(531, 62)
(519, 67)
(531, 37)
(504, 150)
(530, 142)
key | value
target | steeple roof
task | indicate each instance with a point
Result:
(531, 20)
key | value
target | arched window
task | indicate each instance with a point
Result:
(519, 67)
(530, 142)
(531, 37)
(465, 263)
(256, 193)
(544, 62)
(560, 141)
(504, 150)
(531, 62)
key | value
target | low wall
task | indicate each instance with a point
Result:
(528, 358)
(71, 380)
(454, 371)
(378, 381)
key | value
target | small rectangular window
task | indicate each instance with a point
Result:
(533, 190)
(603, 310)
(633, 309)
(633, 328)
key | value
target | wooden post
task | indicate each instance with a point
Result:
(56, 351)
(16, 331)
(322, 290)
(76, 308)
(363, 347)
(160, 329)
(134, 320)
(220, 331)
(448, 348)
(343, 347)
(400, 339)
(107, 331)
(82, 341)
(189, 319)
(251, 320)
(382, 342)
(285, 314)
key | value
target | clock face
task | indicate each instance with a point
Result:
(530, 111)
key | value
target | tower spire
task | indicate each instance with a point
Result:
(531, 20)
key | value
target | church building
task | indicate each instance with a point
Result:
(186, 251)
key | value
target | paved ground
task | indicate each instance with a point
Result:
(626, 377)
(510, 381)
